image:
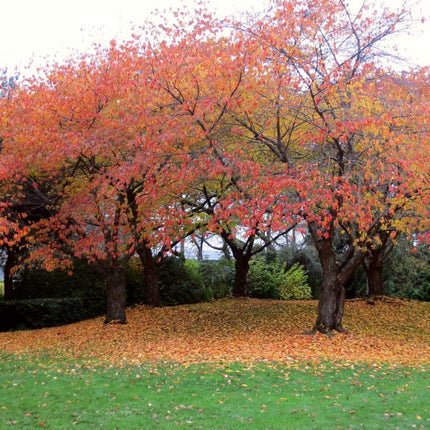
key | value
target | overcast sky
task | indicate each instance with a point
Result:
(35, 29)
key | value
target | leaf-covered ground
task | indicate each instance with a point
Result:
(390, 331)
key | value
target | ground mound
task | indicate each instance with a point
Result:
(392, 331)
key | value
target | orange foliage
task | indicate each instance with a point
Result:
(247, 127)
(390, 330)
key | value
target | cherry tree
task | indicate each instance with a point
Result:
(322, 108)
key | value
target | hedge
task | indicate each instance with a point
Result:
(38, 313)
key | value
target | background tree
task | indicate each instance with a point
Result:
(22, 204)
(24, 200)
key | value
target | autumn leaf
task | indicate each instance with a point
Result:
(392, 331)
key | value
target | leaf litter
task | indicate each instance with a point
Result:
(247, 330)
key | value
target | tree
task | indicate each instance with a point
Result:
(239, 225)
(373, 264)
(23, 201)
(22, 204)
(330, 122)
(205, 79)
(245, 131)
(94, 120)
(399, 196)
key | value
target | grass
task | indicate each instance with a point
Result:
(229, 364)
(277, 396)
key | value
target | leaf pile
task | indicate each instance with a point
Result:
(391, 331)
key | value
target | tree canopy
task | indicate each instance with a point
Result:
(245, 129)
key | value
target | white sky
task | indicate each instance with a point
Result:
(39, 29)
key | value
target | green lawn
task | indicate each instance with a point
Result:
(58, 395)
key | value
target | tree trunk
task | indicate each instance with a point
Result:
(375, 283)
(152, 277)
(331, 305)
(116, 295)
(226, 252)
(198, 242)
(7, 274)
(241, 285)
(374, 266)
(242, 253)
(150, 266)
(335, 275)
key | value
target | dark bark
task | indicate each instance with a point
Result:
(336, 272)
(374, 265)
(149, 263)
(152, 276)
(241, 284)
(7, 273)
(242, 253)
(332, 299)
(331, 305)
(116, 295)
(374, 268)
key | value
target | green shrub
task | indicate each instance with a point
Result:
(193, 272)
(307, 257)
(135, 282)
(181, 282)
(84, 283)
(39, 313)
(264, 279)
(269, 280)
(407, 274)
(294, 284)
(218, 276)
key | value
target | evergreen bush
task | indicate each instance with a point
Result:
(83, 283)
(39, 313)
(269, 280)
(218, 276)
(135, 282)
(294, 284)
(264, 279)
(181, 282)
(407, 273)
(307, 257)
